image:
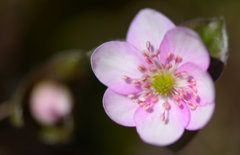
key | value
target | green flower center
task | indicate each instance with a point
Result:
(162, 83)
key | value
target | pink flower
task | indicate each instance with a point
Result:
(157, 79)
(50, 102)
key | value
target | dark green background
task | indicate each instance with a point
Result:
(31, 31)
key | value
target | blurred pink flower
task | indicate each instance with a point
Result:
(157, 79)
(49, 102)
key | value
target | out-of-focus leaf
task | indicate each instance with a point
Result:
(68, 65)
(57, 133)
(16, 116)
(213, 34)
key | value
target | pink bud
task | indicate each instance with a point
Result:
(50, 101)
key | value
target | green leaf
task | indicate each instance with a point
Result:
(213, 34)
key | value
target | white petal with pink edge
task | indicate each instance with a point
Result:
(186, 44)
(115, 60)
(148, 25)
(201, 116)
(152, 129)
(119, 108)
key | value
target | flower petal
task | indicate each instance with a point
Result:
(113, 60)
(148, 25)
(185, 43)
(204, 83)
(200, 116)
(119, 108)
(153, 130)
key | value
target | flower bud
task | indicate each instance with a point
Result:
(50, 102)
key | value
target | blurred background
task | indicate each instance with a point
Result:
(32, 32)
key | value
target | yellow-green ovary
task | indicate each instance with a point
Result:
(162, 83)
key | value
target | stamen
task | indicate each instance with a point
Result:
(166, 105)
(152, 55)
(148, 60)
(180, 74)
(136, 83)
(160, 67)
(170, 57)
(168, 66)
(163, 118)
(149, 46)
(157, 52)
(141, 68)
(192, 106)
(146, 106)
(154, 98)
(141, 103)
(178, 60)
(124, 77)
(178, 103)
(177, 100)
(152, 69)
(127, 79)
(156, 63)
(195, 96)
(145, 53)
(145, 95)
(131, 96)
(146, 86)
(145, 77)
(193, 89)
(191, 80)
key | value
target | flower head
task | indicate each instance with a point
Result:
(157, 79)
